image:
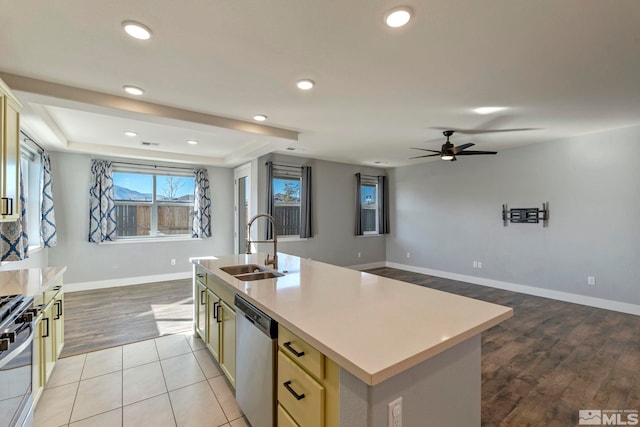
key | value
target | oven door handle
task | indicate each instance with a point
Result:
(5, 358)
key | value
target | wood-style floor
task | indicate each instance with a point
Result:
(551, 359)
(539, 368)
(104, 318)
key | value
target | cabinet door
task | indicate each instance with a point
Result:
(58, 323)
(37, 383)
(228, 347)
(201, 310)
(11, 161)
(213, 331)
(48, 350)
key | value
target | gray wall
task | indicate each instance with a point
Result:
(334, 212)
(448, 214)
(88, 262)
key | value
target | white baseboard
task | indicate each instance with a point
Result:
(369, 266)
(622, 307)
(126, 281)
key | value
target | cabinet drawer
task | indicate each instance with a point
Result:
(284, 419)
(299, 393)
(304, 354)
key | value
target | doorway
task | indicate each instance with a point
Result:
(242, 206)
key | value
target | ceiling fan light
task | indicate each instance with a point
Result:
(447, 157)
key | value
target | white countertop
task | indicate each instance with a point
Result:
(30, 281)
(373, 327)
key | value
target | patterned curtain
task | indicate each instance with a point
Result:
(14, 242)
(47, 215)
(202, 206)
(102, 208)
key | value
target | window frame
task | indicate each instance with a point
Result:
(291, 173)
(367, 181)
(32, 183)
(154, 203)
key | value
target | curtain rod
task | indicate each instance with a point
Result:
(280, 165)
(28, 138)
(153, 166)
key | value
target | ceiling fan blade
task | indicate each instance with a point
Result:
(428, 155)
(424, 149)
(474, 153)
(482, 131)
(461, 147)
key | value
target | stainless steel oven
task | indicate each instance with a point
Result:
(16, 357)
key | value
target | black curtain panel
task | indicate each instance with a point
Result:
(306, 206)
(358, 218)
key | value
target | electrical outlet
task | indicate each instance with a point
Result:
(359, 254)
(475, 264)
(408, 254)
(173, 261)
(395, 413)
(479, 264)
(591, 280)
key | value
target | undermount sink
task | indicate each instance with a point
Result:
(258, 276)
(242, 269)
(249, 272)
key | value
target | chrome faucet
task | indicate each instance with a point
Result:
(269, 261)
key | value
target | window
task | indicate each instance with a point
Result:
(369, 205)
(286, 200)
(153, 204)
(30, 170)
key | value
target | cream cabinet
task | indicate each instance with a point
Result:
(48, 336)
(215, 321)
(200, 306)
(9, 154)
(307, 384)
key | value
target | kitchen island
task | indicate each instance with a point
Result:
(390, 339)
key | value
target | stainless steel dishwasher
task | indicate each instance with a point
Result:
(256, 348)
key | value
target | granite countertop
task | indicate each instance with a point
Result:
(373, 327)
(30, 282)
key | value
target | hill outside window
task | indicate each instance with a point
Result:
(153, 204)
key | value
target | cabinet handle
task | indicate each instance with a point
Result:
(200, 275)
(215, 310)
(57, 288)
(202, 301)
(8, 206)
(288, 346)
(47, 333)
(287, 385)
(58, 309)
(217, 314)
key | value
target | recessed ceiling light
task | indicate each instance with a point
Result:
(305, 84)
(259, 117)
(488, 110)
(192, 141)
(133, 90)
(137, 30)
(130, 133)
(398, 17)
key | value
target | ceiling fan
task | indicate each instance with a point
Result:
(449, 151)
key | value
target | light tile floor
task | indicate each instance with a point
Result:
(167, 381)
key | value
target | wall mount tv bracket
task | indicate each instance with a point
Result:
(526, 215)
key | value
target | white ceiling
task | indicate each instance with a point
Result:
(562, 67)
